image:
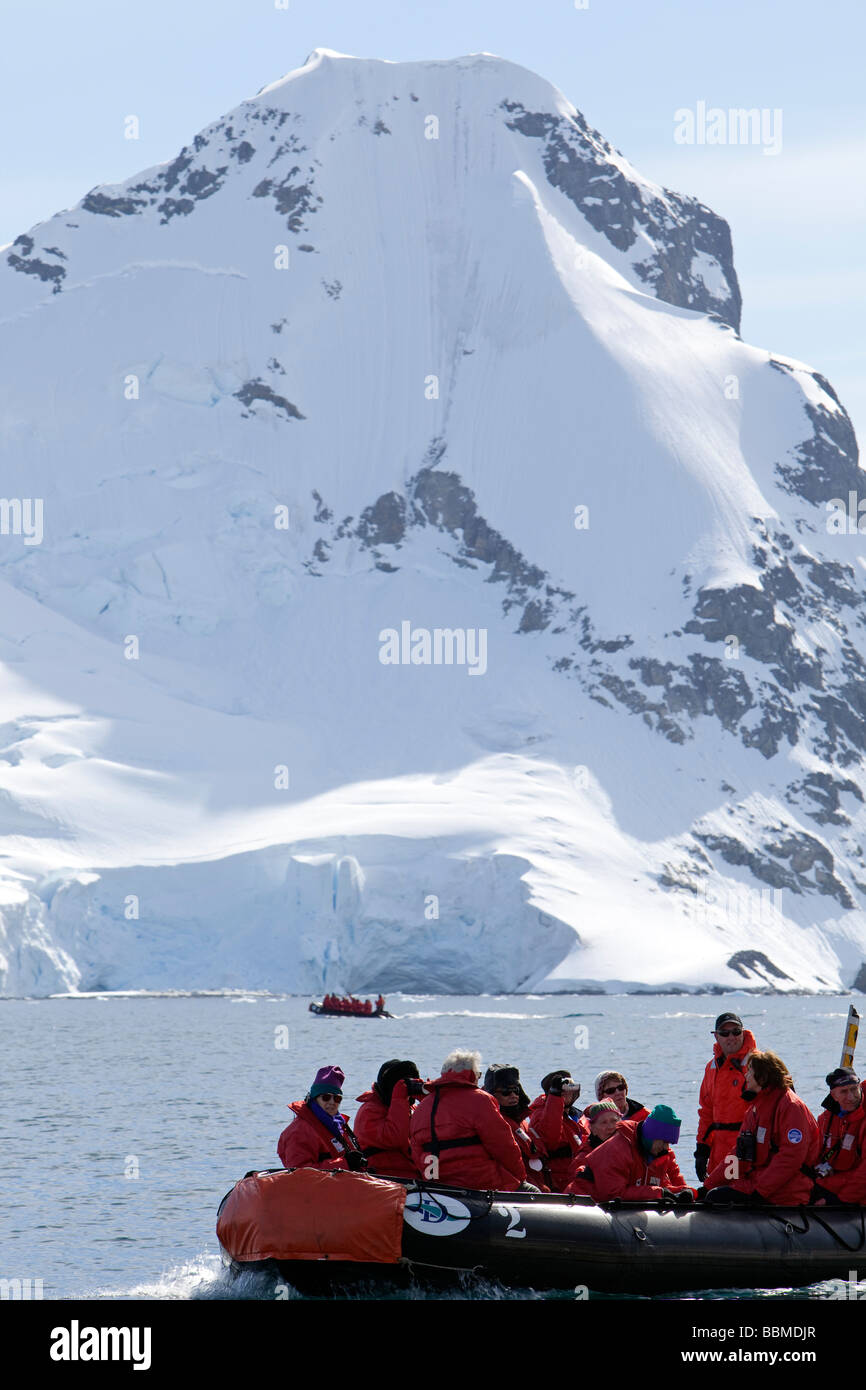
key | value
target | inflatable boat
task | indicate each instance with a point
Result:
(347, 1013)
(317, 1230)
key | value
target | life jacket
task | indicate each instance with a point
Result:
(534, 1157)
(307, 1143)
(843, 1136)
(461, 1127)
(618, 1167)
(721, 1106)
(383, 1132)
(783, 1134)
(559, 1133)
(840, 1167)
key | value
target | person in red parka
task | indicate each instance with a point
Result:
(458, 1136)
(602, 1117)
(503, 1084)
(319, 1136)
(777, 1139)
(721, 1106)
(612, 1085)
(382, 1123)
(558, 1126)
(840, 1170)
(636, 1164)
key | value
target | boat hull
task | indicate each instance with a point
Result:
(549, 1241)
(344, 1013)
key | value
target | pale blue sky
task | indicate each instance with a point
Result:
(71, 72)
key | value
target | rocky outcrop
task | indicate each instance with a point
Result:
(685, 235)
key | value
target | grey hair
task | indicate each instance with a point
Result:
(460, 1060)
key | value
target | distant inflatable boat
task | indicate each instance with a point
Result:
(348, 1013)
(317, 1229)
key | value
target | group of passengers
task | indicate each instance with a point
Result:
(757, 1141)
(348, 1004)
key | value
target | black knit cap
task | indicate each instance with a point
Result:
(842, 1076)
(498, 1074)
(392, 1072)
(728, 1018)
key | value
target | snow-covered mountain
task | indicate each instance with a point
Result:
(397, 363)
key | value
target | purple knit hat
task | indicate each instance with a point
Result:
(662, 1123)
(328, 1079)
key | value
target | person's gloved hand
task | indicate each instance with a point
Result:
(822, 1197)
(528, 1187)
(357, 1162)
(702, 1158)
(685, 1198)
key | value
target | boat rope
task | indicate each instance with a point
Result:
(839, 1239)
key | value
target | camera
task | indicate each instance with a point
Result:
(746, 1146)
(556, 1088)
(415, 1088)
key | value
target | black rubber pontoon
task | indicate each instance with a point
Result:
(551, 1241)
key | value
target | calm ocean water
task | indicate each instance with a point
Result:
(126, 1119)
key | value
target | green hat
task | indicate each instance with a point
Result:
(600, 1107)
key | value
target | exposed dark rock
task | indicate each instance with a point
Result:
(826, 466)
(778, 720)
(257, 391)
(175, 169)
(860, 980)
(578, 161)
(749, 614)
(385, 522)
(825, 790)
(292, 200)
(201, 183)
(745, 961)
(26, 244)
(33, 266)
(112, 207)
(175, 207)
(380, 128)
(243, 152)
(803, 853)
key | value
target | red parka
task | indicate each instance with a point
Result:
(307, 1143)
(842, 1139)
(485, 1154)
(786, 1137)
(532, 1149)
(560, 1136)
(721, 1106)
(383, 1132)
(618, 1167)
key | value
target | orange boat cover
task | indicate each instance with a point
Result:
(306, 1214)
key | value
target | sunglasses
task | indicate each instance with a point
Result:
(329, 1095)
(612, 1090)
(508, 1090)
(730, 1033)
